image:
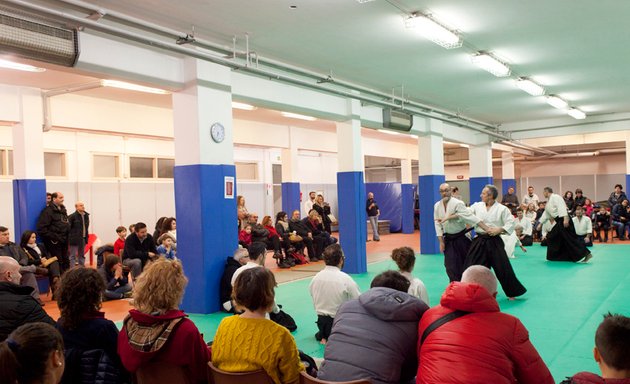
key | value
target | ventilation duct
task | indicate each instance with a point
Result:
(28, 37)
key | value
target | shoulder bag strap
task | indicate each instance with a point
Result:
(440, 322)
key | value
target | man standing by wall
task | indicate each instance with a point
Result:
(78, 236)
(373, 212)
(53, 228)
(308, 204)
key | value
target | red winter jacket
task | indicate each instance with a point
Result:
(591, 378)
(485, 346)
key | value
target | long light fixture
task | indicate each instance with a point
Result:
(530, 87)
(20, 67)
(556, 102)
(132, 87)
(434, 31)
(491, 64)
(576, 114)
(298, 116)
(243, 106)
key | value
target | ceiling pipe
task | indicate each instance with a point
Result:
(418, 109)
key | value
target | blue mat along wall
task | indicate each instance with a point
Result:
(388, 196)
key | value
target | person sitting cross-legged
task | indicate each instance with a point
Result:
(114, 276)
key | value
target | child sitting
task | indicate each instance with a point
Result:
(245, 236)
(119, 244)
(166, 246)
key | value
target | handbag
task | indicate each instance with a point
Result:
(47, 262)
(332, 218)
(295, 238)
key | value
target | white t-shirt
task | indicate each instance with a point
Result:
(330, 288)
(417, 288)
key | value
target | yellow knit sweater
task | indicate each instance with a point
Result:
(243, 345)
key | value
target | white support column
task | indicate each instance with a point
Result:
(507, 172)
(480, 169)
(290, 177)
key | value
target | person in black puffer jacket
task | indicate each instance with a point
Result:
(53, 228)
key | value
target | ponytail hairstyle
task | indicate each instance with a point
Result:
(24, 354)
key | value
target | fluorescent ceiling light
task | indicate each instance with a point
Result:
(556, 102)
(388, 132)
(489, 63)
(434, 31)
(132, 87)
(243, 106)
(298, 116)
(20, 67)
(576, 114)
(364, 1)
(530, 87)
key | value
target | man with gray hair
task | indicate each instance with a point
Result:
(469, 329)
(17, 305)
(234, 262)
(78, 236)
(487, 248)
(27, 272)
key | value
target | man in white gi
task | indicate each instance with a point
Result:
(451, 216)
(526, 224)
(583, 226)
(530, 197)
(487, 248)
(563, 243)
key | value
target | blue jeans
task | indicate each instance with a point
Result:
(374, 223)
(76, 254)
(118, 292)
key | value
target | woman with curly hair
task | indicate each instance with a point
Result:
(157, 331)
(84, 328)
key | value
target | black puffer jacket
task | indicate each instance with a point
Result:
(18, 307)
(76, 229)
(53, 225)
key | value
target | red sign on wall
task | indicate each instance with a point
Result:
(460, 177)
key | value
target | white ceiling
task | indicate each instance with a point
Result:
(576, 48)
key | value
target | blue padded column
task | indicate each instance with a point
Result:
(207, 231)
(627, 186)
(506, 184)
(429, 194)
(352, 220)
(407, 208)
(29, 199)
(290, 197)
(476, 185)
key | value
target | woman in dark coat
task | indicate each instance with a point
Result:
(38, 256)
(324, 210)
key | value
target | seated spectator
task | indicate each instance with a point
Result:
(139, 248)
(617, 196)
(323, 210)
(459, 351)
(289, 240)
(27, 272)
(273, 240)
(510, 200)
(85, 330)
(39, 257)
(169, 226)
(119, 244)
(234, 262)
(580, 199)
(314, 245)
(621, 218)
(261, 234)
(583, 226)
(157, 331)
(601, 223)
(33, 353)
(245, 236)
(526, 235)
(405, 259)
(570, 202)
(314, 223)
(611, 345)
(375, 337)
(17, 305)
(114, 277)
(531, 213)
(240, 339)
(257, 253)
(166, 247)
(329, 289)
(157, 230)
(589, 208)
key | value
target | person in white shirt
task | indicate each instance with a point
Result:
(511, 241)
(308, 204)
(562, 242)
(451, 218)
(487, 248)
(329, 289)
(583, 226)
(526, 228)
(544, 231)
(257, 251)
(405, 259)
(530, 197)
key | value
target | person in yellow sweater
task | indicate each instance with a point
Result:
(249, 342)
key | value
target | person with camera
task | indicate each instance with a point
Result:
(114, 275)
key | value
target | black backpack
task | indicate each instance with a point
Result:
(283, 319)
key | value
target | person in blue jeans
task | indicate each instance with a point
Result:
(114, 275)
(373, 212)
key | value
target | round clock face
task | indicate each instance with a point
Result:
(217, 131)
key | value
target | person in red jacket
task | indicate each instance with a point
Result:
(482, 345)
(157, 331)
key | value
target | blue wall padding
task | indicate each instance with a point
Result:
(506, 184)
(429, 194)
(627, 186)
(408, 193)
(290, 197)
(207, 231)
(29, 199)
(476, 185)
(389, 200)
(352, 220)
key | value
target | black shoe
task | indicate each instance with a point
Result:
(377, 239)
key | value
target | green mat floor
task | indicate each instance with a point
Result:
(561, 309)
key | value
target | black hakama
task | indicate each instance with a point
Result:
(563, 244)
(456, 248)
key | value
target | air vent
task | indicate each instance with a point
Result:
(30, 38)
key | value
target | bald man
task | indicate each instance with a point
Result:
(53, 228)
(78, 235)
(17, 305)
